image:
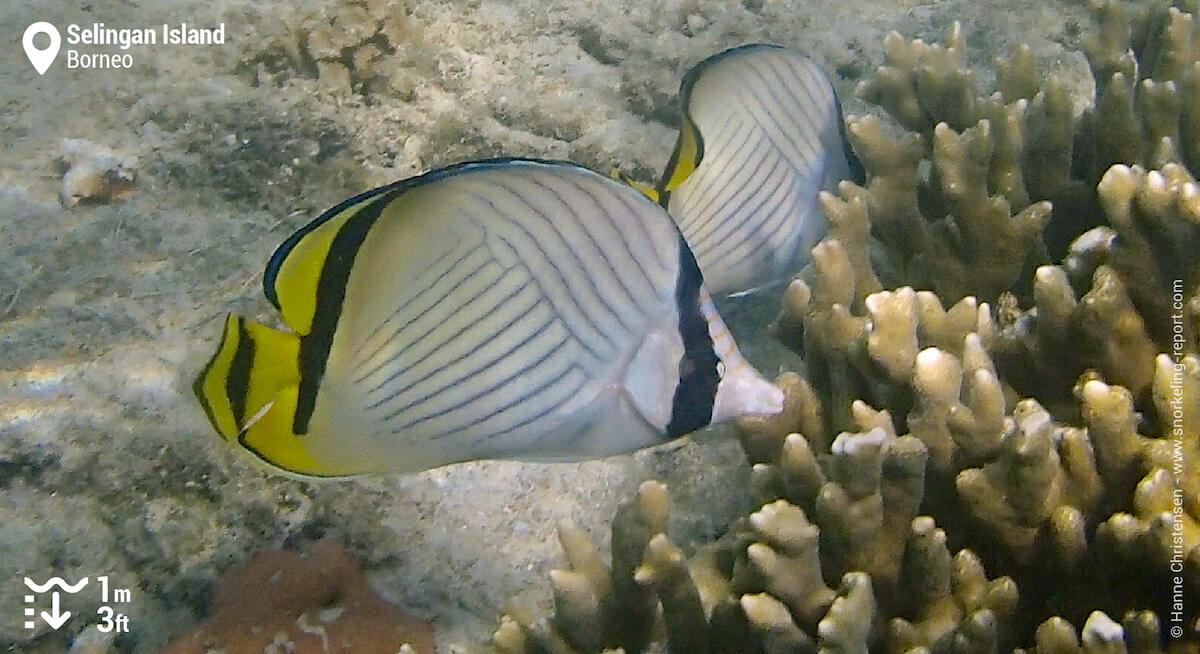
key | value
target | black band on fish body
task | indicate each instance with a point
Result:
(331, 292)
(281, 253)
(692, 405)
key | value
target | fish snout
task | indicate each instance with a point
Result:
(743, 391)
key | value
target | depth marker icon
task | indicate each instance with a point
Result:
(54, 617)
(30, 612)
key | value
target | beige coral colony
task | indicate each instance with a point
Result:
(995, 444)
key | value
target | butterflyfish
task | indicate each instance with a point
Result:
(761, 135)
(500, 309)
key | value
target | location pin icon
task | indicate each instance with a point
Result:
(41, 58)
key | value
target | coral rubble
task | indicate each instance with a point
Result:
(318, 601)
(93, 173)
(996, 443)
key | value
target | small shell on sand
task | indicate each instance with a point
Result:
(93, 173)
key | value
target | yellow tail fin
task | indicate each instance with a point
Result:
(249, 390)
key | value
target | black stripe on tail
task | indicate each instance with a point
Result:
(237, 384)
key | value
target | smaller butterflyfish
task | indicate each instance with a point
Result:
(761, 135)
(500, 309)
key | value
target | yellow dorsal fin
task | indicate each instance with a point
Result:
(646, 189)
(294, 271)
(689, 149)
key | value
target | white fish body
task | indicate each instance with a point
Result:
(762, 135)
(508, 309)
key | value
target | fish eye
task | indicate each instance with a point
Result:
(720, 369)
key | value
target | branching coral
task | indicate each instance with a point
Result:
(1040, 495)
(318, 601)
(837, 558)
(1140, 296)
(999, 162)
(990, 231)
(1000, 339)
(761, 587)
(1016, 182)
